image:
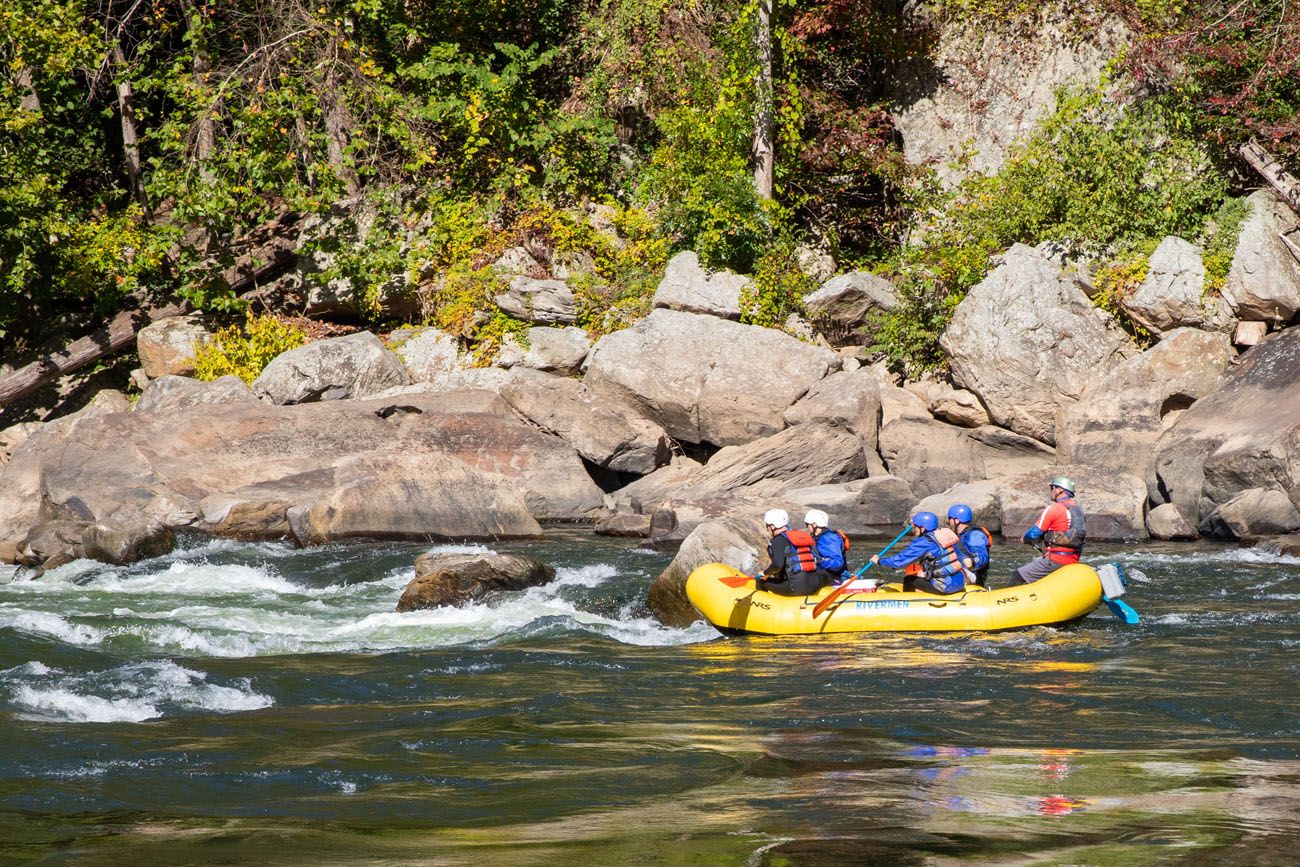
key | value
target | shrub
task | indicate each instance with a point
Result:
(245, 351)
(778, 288)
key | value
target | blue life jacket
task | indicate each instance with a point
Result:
(831, 545)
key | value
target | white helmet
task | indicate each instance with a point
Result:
(817, 518)
(776, 518)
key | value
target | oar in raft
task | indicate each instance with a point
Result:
(843, 585)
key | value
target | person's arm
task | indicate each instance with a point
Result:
(913, 552)
(778, 550)
(979, 550)
(1036, 532)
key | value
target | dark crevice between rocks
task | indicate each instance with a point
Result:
(1176, 403)
(606, 479)
(701, 452)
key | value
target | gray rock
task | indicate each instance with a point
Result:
(885, 501)
(847, 400)
(960, 407)
(624, 525)
(688, 287)
(1114, 504)
(840, 308)
(429, 354)
(167, 347)
(1165, 523)
(1251, 514)
(739, 542)
(174, 393)
(1173, 293)
(604, 430)
(646, 494)
(556, 350)
(704, 379)
(961, 106)
(340, 368)
(815, 262)
(982, 497)
(1264, 278)
(458, 579)
(544, 302)
(516, 262)
(810, 454)
(14, 436)
(1241, 436)
(572, 263)
(1249, 333)
(674, 521)
(1119, 417)
(1027, 339)
(52, 543)
(126, 538)
(930, 455)
(900, 403)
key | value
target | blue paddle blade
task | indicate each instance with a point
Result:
(1122, 610)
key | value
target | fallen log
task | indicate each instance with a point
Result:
(1272, 171)
(86, 350)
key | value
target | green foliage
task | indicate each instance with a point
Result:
(1118, 279)
(245, 351)
(1097, 175)
(778, 288)
(1219, 242)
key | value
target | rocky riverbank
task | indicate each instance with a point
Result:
(690, 416)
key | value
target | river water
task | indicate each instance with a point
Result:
(239, 703)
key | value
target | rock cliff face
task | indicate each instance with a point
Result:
(983, 94)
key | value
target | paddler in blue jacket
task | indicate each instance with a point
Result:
(932, 560)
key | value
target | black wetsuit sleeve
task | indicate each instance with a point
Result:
(778, 549)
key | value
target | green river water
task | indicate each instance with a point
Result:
(255, 704)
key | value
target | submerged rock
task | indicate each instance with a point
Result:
(458, 579)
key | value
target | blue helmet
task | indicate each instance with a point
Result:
(927, 521)
(961, 512)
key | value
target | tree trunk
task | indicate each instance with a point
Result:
(130, 143)
(764, 151)
(1278, 178)
(104, 342)
(338, 122)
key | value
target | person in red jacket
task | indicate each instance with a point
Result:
(1061, 527)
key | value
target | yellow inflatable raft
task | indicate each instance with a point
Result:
(727, 599)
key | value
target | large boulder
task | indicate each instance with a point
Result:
(544, 302)
(458, 579)
(1244, 435)
(452, 465)
(647, 493)
(707, 380)
(739, 542)
(1173, 293)
(14, 436)
(428, 353)
(340, 368)
(167, 347)
(604, 430)
(126, 538)
(933, 456)
(850, 400)
(1121, 414)
(688, 287)
(840, 308)
(885, 501)
(982, 497)
(1027, 339)
(556, 350)
(1264, 278)
(1114, 504)
(675, 520)
(810, 454)
(1165, 523)
(1252, 514)
(172, 393)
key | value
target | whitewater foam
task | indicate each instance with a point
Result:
(134, 692)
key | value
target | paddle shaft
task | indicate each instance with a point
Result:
(825, 603)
